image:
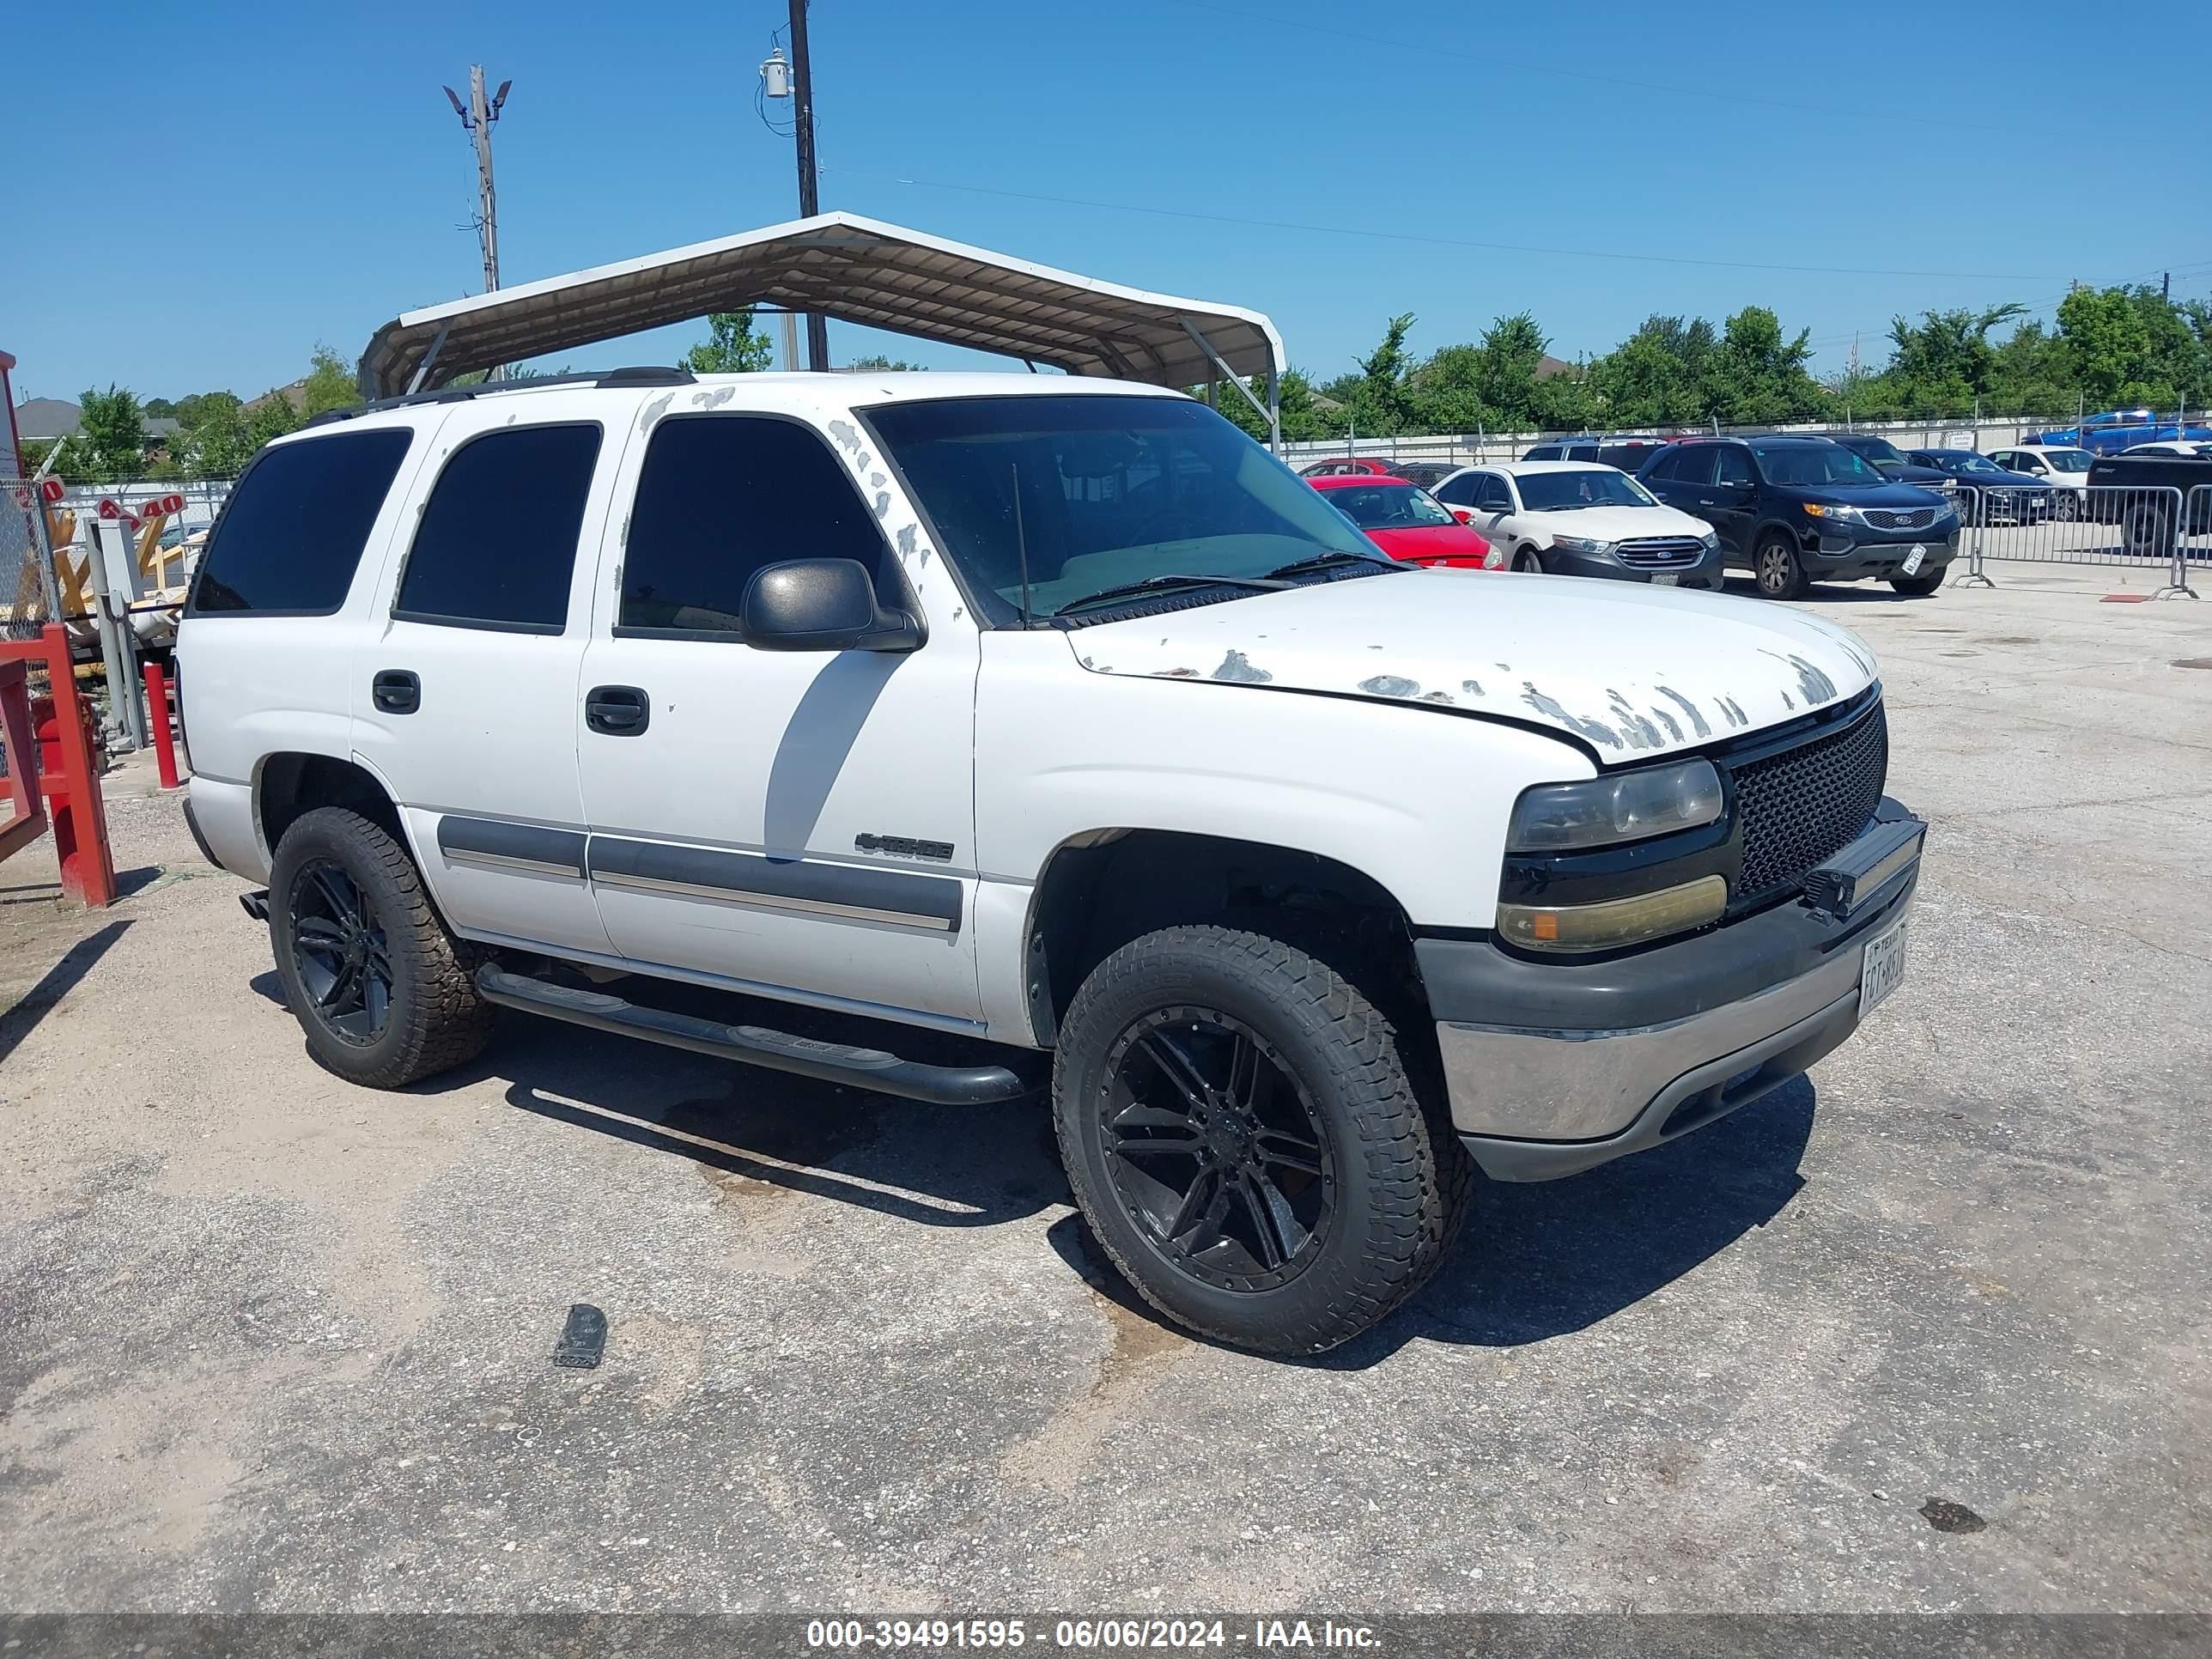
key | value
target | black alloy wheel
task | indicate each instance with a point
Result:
(339, 953)
(1215, 1151)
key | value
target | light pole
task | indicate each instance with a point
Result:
(799, 86)
(477, 117)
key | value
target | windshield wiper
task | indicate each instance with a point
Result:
(1331, 560)
(1154, 584)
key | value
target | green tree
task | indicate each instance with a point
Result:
(110, 441)
(1758, 378)
(273, 415)
(731, 348)
(1379, 401)
(880, 364)
(160, 409)
(1301, 418)
(330, 384)
(216, 442)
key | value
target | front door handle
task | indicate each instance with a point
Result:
(1707, 502)
(396, 691)
(617, 711)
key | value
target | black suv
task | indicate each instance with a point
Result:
(1799, 510)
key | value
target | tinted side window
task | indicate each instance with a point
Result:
(497, 542)
(1543, 452)
(1694, 465)
(1581, 452)
(1662, 465)
(1493, 496)
(719, 497)
(1457, 492)
(292, 530)
(1734, 467)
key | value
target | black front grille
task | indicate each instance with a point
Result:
(1660, 552)
(1911, 518)
(1801, 807)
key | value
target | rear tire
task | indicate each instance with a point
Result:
(1525, 561)
(2149, 532)
(1239, 1132)
(1779, 567)
(1918, 588)
(381, 990)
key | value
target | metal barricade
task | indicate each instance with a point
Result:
(2132, 527)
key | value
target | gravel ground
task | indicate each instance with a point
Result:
(270, 1342)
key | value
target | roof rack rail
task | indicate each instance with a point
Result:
(642, 374)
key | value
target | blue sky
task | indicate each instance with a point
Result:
(273, 176)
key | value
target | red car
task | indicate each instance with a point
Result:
(1406, 522)
(1358, 469)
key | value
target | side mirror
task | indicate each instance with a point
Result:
(821, 604)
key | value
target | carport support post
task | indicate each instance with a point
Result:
(1221, 371)
(1274, 409)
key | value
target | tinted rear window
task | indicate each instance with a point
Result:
(293, 532)
(498, 543)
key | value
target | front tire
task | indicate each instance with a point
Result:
(381, 989)
(1240, 1135)
(1525, 561)
(1779, 567)
(2149, 534)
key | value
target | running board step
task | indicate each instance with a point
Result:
(753, 1045)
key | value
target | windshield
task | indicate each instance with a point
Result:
(1880, 450)
(1815, 464)
(1387, 507)
(1973, 464)
(1099, 491)
(1596, 486)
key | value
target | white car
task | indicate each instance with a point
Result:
(1041, 742)
(1580, 519)
(2065, 469)
(2188, 448)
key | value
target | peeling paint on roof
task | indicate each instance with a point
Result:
(1473, 687)
(714, 399)
(1236, 667)
(847, 439)
(654, 411)
(1390, 685)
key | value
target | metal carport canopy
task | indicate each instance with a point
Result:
(858, 271)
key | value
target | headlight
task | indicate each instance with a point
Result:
(1652, 801)
(1494, 559)
(1710, 540)
(1583, 544)
(1829, 514)
(1612, 924)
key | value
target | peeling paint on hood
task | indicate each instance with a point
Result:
(1630, 670)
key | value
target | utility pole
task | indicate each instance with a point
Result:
(2166, 285)
(477, 118)
(802, 79)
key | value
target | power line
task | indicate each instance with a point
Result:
(1431, 49)
(1435, 241)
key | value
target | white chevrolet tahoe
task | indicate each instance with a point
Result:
(1055, 715)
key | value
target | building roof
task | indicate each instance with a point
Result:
(856, 270)
(46, 417)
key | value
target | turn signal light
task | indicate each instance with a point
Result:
(1611, 924)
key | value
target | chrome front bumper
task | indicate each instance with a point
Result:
(1578, 1065)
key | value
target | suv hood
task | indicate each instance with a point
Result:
(1901, 495)
(1629, 670)
(1614, 524)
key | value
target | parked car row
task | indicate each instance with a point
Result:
(1791, 510)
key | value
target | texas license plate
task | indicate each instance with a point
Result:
(1881, 971)
(1668, 581)
(1912, 559)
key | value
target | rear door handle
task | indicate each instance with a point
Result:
(396, 691)
(617, 711)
